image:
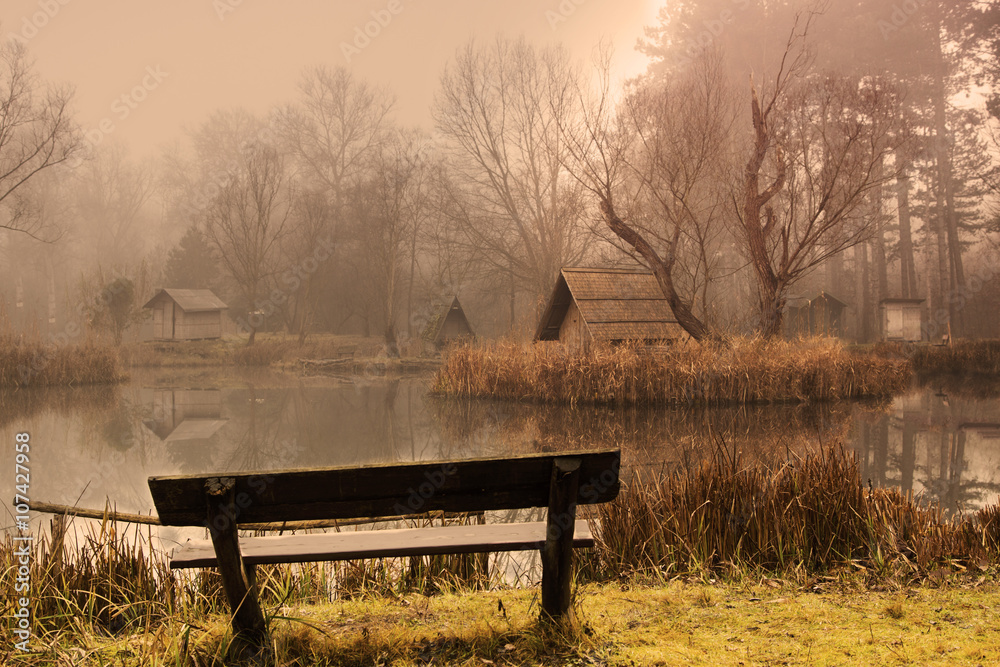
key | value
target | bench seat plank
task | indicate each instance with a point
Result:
(381, 544)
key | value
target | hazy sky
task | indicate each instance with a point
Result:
(175, 62)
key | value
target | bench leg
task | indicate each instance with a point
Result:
(248, 620)
(557, 556)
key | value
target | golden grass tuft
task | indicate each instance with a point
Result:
(742, 371)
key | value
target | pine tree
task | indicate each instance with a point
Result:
(191, 264)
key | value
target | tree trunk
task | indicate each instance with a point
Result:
(941, 314)
(772, 308)
(878, 246)
(946, 185)
(682, 311)
(391, 346)
(907, 265)
(770, 289)
(304, 306)
(862, 297)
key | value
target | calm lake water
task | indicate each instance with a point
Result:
(95, 445)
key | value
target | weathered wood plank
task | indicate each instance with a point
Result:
(557, 555)
(248, 620)
(387, 490)
(380, 544)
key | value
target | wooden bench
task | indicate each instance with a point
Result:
(221, 502)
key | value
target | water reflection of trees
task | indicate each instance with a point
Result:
(942, 445)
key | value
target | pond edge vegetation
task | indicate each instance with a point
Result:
(802, 520)
(739, 371)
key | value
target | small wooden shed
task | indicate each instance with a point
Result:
(186, 314)
(902, 319)
(447, 323)
(822, 315)
(610, 305)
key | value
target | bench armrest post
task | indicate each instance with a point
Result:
(248, 620)
(557, 555)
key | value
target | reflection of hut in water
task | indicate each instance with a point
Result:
(610, 305)
(447, 323)
(821, 315)
(902, 319)
(186, 314)
(185, 414)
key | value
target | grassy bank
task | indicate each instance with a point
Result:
(28, 361)
(790, 538)
(971, 357)
(746, 371)
(749, 622)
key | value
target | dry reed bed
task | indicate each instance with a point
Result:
(812, 514)
(27, 361)
(742, 371)
(962, 356)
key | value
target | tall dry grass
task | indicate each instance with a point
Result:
(812, 514)
(743, 371)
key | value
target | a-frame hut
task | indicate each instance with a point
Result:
(447, 323)
(822, 315)
(609, 305)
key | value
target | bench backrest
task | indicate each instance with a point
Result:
(467, 485)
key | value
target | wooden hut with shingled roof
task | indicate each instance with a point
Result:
(186, 314)
(609, 305)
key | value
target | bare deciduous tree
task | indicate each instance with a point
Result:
(36, 134)
(333, 133)
(312, 227)
(817, 155)
(110, 197)
(499, 109)
(656, 164)
(387, 209)
(247, 220)
(335, 128)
